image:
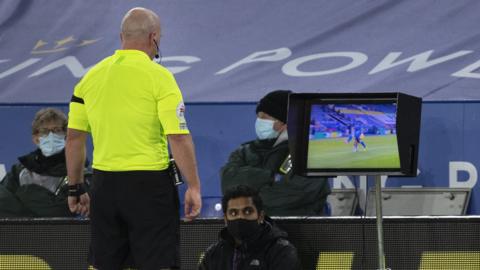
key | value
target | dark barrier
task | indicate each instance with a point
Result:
(323, 243)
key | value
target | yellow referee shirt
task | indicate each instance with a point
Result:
(129, 104)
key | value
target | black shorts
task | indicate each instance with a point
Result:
(134, 220)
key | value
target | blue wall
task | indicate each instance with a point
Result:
(449, 133)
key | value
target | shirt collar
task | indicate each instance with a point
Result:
(133, 52)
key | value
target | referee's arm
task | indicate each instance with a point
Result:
(183, 152)
(75, 154)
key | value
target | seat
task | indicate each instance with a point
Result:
(211, 207)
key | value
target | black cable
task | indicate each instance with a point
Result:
(158, 55)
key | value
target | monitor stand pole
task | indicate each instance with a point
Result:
(378, 211)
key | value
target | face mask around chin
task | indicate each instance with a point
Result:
(264, 129)
(242, 229)
(51, 144)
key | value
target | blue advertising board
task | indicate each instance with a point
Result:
(448, 154)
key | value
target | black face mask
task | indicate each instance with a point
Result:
(243, 229)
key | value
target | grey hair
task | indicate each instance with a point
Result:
(47, 115)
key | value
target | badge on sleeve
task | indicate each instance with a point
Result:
(181, 116)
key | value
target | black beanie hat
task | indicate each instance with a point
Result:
(275, 104)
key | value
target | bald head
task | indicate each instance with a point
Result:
(138, 23)
(140, 30)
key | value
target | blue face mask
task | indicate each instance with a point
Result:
(51, 144)
(264, 129)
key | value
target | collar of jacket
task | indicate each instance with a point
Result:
(54, 165)
(268, 233)
(266, 144)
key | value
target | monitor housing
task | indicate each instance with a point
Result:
(354, 134)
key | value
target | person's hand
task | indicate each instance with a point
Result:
(79, 205)
(193, 203)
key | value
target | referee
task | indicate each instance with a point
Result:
(133, 109)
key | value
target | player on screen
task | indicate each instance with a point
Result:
(356, 133)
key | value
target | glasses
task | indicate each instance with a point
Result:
(46, 131)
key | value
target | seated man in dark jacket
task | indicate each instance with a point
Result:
(37, 185)
(261, 164)
(250, 239)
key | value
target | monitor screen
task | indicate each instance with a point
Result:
(353, 136)
(332, 134)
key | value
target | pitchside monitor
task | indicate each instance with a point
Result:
(354, 134)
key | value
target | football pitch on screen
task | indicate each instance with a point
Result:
(381, 152)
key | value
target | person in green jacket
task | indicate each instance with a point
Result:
(36, 186)
(261, 164)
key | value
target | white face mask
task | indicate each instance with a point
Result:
(264, 129)
(51, 144)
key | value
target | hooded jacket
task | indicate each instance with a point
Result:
(256, 164)
(267, 250)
